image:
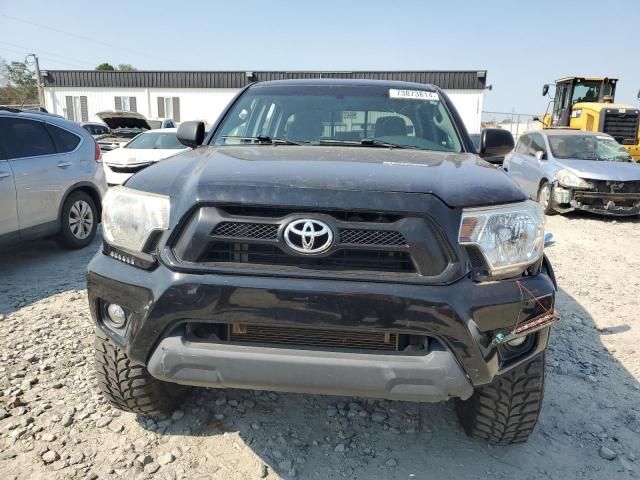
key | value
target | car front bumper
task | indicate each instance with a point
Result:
(115, 178)
(463, 317)
(618, 204)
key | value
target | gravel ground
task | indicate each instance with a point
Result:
(55, 425)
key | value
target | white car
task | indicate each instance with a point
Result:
(145, 149)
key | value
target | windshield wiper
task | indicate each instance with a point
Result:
(263, 139)
(365, 142)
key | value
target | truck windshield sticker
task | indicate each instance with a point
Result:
(413, 94)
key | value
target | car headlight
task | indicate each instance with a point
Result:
(511, 237)
(570, 179)
(129, 217)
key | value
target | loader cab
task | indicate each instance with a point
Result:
(572, 90)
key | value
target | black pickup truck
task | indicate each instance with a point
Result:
(336, 237)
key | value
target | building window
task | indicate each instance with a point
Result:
(76, 108)
(127, 104)
(169, 107)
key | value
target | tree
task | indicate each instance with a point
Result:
(107, 67)
(126, 67)
(20, 86)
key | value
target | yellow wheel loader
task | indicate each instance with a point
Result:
(587, 103)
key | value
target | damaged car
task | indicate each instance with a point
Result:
(123, 125)
(568, 170)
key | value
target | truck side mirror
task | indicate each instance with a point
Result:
(495, 142)
(541, 155)
(638, 97)
(191, 133)
(545, 90)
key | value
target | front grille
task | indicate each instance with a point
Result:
(622, 126)
(371, 237)
(269, 231)
(261, 231)
(346, 259)
(611, 186)
(311, 337)
(128, 168)
(367, 245)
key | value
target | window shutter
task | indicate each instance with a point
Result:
(84, 111)
(133, 106)
(176, 109)
(69, 102)
(160, 107)
(118, 103)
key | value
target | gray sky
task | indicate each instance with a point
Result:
(522, 44)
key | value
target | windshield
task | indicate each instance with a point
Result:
(154, 124)
(588, 147)
(155, 141)
(340, 115)
(589, 91)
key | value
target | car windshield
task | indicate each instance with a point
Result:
(154, 124)
(588, 147)
(154, 141)
(338, 115)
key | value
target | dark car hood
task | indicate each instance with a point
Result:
(459, 180)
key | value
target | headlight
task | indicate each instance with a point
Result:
(569, 179)
(129, 217)
(511, 237)
(576, 113)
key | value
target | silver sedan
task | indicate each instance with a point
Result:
(567, 170)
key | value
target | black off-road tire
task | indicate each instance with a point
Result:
(129, 387)
(71, 236)
(506, 410)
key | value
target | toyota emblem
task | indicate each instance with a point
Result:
(308, 236)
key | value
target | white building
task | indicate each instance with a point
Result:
(79, 94)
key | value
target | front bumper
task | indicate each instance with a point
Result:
(617, 204)
(463, 317)
(430, 378)
(115, 178)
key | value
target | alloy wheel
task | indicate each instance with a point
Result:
(80, 219)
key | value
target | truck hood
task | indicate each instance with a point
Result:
(599, 170)
(120, 119)
(459, 180)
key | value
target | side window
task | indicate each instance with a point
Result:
(25, 138)
(523, 145)
(65, 141)
(537, 144)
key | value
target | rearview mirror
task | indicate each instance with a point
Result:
(540, 155)
(638, 95)
(545, 90)
(495, 142)
(191, 134)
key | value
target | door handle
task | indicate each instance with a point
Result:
(63, 164)
(4, 174)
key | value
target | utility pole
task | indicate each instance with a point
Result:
(38, 78)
